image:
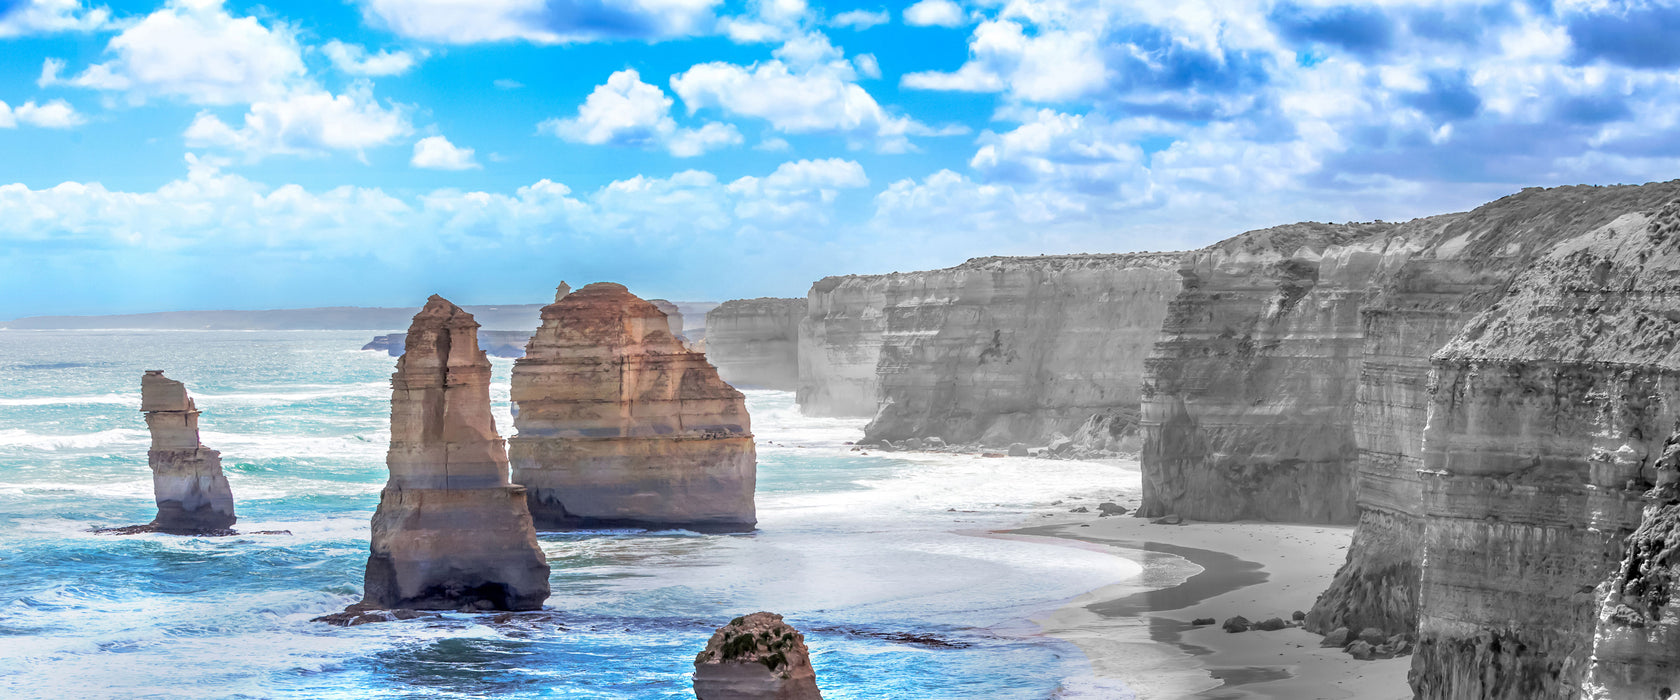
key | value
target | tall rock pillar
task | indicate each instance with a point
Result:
(619, 424)
(192, 493)
(451, 530)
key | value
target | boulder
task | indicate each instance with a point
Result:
(1202, 621)
(1362, 650)
(1372, 636)
(1337, 638)
(1017, 450)
(1270, 624)
(1107, 509)
(755, 657)
(1236, 624)
(621, 425)
(450, 532)
(192, 493)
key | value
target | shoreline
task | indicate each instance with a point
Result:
(1139, 632)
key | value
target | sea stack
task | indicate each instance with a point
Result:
(620, 425)
(192, 494)
(451, 531)
(755, 657)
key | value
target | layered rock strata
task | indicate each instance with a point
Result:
(1549, 440)
(451, 531)
(192, 493)
(1457, 271)
(755, 342)
(619, 424)
(1002, 350)
(840, 345)
(755, 657)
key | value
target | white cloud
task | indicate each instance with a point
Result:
(437, 153)
(767, 21)
(541, 21)
(506, 84)
(55, 114)
(195, 51)
(49, 72)
(934, 13)
(628, 112)
(355, 60)
(305, 123)
(50, 16)
(867, 66)
(860, 19)
(822, 98)
(1049, 63)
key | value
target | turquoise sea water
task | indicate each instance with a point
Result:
(856, 551)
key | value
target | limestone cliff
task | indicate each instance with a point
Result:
(673, 316)
(840, 345)
(1457, 271)
(1552, 417)
(755, 342)
(619, 424)
(755, 657)
(1017, 349)
(450, 531)
(192, 493)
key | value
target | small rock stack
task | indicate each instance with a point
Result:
(192, 494)
(451, 531)
(755, 657)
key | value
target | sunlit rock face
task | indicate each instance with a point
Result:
(673, 316)
(619, 424)
(755, 342)
(192, 493)
(1457, 270)
(840, 345)
(1018, 349)
(755, 657)
(451, 531)
(1550, 438)
(1248, 398)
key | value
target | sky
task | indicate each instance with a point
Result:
(194, 154)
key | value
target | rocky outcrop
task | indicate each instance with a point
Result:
(755, 342)
(840, 345)
(192, 494)
(620, 425)
(493, 343)
(673, 316)
(1019, 349)
(755, 657)
(451, 531)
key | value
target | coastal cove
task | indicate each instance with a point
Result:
(867, 553)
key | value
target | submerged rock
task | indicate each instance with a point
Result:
(192, 494)
(619, 424)
(755, 657)
(451, 532)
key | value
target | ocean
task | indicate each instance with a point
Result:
(880, 559)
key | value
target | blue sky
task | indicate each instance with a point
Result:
(203, 154)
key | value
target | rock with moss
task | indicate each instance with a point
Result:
(755, 657)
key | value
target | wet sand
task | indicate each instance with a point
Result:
(1140, 632)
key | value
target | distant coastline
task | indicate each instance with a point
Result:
(329, 318)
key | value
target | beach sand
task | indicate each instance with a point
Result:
(1140, 632)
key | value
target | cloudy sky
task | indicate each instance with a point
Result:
(204, 154)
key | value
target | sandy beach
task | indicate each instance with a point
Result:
(1139, 632)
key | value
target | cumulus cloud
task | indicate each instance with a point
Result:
(934, 13)
(437, 153)
(55, 114)
(196, 51)
(355, 60)
(26, 17)
(628, 112)
(860, 19)
(808, 88)
(541, 21)
(305, 123)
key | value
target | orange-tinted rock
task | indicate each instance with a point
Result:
(755, 657)
(451, 530)
(619, 424)
(192, 492)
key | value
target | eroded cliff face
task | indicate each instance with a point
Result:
(1248, 398)
(1552, 414)
(451, 531)
(1458, 270)
(192, 492)
(621, 425)
(840, 345)
(755, 342)
(1018, 349)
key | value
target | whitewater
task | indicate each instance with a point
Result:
(880, 559)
